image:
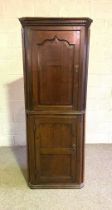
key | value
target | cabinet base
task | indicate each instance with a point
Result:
(56, 186)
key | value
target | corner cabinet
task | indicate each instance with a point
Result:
(55, 56)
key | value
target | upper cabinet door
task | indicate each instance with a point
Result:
(54, 68)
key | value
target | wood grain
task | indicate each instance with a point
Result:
(55, 57)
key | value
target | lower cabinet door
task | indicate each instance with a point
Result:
(54, 150)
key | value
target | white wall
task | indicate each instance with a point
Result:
(99, 100)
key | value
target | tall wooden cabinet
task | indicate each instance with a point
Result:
(55, 55)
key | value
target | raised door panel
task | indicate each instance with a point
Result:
(55, 141)
(53, 61)
(55, 72)
(55, 150)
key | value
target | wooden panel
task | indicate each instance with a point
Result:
(50, 131)
(50, 165)
(54, 69)
(63, 155)
(55, 72)
(55, 140)
(55, 151)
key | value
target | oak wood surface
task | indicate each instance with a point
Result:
(55, 59)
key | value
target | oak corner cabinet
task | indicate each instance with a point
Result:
(55, 57)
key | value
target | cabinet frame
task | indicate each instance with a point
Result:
(75, 111)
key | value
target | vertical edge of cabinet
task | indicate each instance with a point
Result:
(83, 71)
(87, 42)
(31, 164)
(80, 150)
(83, 150)
(24, 65)
(27, 86)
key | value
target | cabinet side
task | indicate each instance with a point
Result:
(26, 101)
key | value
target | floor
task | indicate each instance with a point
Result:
(96, 195)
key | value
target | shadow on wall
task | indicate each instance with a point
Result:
(17, 121)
